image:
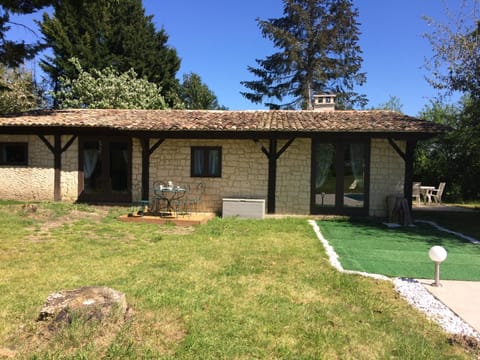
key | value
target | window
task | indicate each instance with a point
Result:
(340, 176)
(13, 153)
(206, 161)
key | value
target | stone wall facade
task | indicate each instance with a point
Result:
(294, 178)
(35, 181)
(244, 172)
(387, 173)
(69, 176)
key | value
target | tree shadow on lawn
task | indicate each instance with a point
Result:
(369, 246)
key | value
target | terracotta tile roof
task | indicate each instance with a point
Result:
(223, 121)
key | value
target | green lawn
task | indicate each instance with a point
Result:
(231, 289)
(400, 252)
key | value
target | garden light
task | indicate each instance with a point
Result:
(437, 254)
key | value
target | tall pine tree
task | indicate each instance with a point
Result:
(196, 95)
(102, 33)
(13, 53)
(318, 53)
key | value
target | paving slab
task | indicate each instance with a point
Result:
(462, 297)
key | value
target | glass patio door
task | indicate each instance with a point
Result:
(106, 167)
(340, 177)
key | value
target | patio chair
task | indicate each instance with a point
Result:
(159, 204)
(181, 204)
(194, 198)
(436, 194)
(416, 192)
(353, 185)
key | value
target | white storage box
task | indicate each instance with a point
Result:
(244, 208)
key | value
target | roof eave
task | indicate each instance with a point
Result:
(240, 134)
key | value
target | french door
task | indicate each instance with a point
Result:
(340, 177)
(105, 169)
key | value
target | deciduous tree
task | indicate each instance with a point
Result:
(318, 51)
(108, 89)
(455, 67)
(455, 64)
(19, 91)
(455, 156)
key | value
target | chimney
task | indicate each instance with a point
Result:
(324, 102)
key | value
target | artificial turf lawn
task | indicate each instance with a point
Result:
(400, 252)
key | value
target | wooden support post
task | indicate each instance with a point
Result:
(145, 141)
(56, 149)
(408, 156)
(57, 159)
(408, 181)
(146, 152)
(395, 147)
(273, 156)
(272, 176)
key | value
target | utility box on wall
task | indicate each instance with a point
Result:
(244, 208)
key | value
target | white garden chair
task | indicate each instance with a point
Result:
(435, 195)
(416, 192)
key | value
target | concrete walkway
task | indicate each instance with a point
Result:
(442, 208)
(462, 297)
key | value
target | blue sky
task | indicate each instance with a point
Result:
(219, 39)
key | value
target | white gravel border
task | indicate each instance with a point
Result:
(411, 290)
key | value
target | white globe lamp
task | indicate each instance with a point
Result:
(438, 255)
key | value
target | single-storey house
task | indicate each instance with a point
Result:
(300, 162)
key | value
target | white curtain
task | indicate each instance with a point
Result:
(198, 162)
(213, 162)
(324, 156)
(90, 159)
(357, 160)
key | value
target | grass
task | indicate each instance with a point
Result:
(230, 289)
(400, 252)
